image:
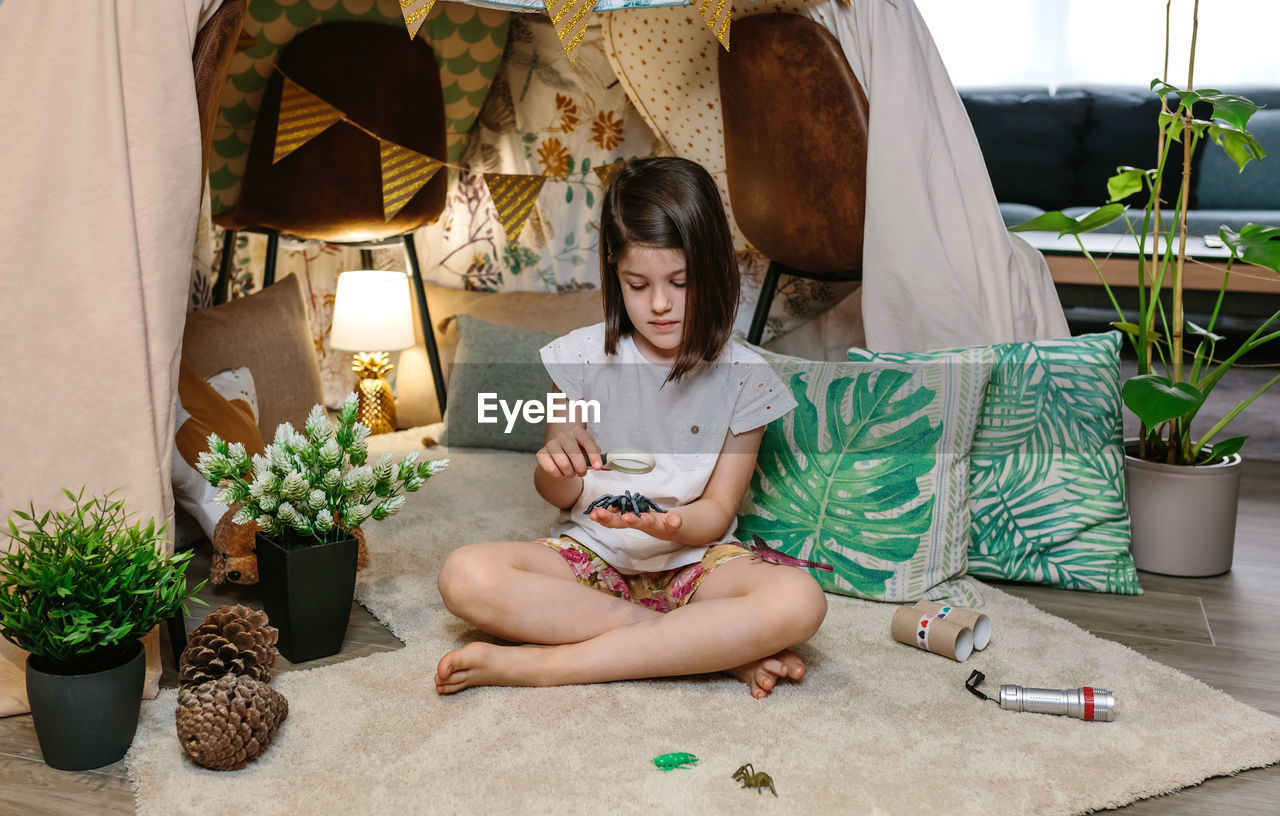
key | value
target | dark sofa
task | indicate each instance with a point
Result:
(1055, 151)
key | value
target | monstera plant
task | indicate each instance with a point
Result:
(1175, 377)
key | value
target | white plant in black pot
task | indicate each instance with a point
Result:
(315, 487)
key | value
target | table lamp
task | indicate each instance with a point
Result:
(372, 316)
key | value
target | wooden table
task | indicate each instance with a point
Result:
(1116, 256)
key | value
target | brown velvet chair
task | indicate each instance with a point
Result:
(210, 60)
(330, 189)
(795, 141)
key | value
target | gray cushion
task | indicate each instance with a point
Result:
(1117, 226)
(1222, 185)
(1199, 222)
(498, 360)
(1207, 222)
(1015, 214)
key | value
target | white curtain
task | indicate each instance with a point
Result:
(1055, 42)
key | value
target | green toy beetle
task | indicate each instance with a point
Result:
(673, 760)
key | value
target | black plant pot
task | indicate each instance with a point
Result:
(307, 595)
(85, 721)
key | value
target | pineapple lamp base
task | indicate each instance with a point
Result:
(375, 403)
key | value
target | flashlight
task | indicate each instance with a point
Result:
(1085, 703)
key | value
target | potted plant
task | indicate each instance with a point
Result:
(1183, 481)
(78, 589)
(309, 493)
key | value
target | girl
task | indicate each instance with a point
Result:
(618, 595)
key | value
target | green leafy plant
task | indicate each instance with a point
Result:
(1167, 394)
(78, 588)
(313, 488)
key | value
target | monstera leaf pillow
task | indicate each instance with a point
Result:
(870, 473)
(1046, 479)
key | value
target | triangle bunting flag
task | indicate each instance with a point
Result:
(569, 18)
(303, 116)
(606, 172)
(513, 197)
(718, 14)
(404, 172)
(415, 14)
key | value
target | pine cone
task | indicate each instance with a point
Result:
(224, 723)
(232, 640)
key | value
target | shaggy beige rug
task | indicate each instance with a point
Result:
(875, 727)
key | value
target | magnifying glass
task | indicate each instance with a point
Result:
(627, 460)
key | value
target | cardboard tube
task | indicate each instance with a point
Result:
(978, 622)
(931, 633)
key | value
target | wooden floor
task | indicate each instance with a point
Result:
(1220, 630)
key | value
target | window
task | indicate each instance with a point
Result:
(1118, 42)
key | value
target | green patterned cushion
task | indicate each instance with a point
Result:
(870, 472)
(1046, 480)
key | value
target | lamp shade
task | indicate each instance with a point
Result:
(371, 312)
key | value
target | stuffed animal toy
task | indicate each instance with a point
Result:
(234, 558)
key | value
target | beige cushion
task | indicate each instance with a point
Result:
(540, 311)
(268, 332)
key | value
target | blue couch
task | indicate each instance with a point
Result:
(1055, 151)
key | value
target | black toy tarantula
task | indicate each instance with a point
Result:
(628, 502)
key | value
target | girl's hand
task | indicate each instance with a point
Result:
(570, 453)
(659, 525)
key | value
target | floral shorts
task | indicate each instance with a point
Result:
(663, 591)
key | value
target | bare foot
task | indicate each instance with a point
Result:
(486, 664)
(762, 675)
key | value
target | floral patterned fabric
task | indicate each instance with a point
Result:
(601, 5)
(542, 117)
(662, 591)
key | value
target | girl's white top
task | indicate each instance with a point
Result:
(684, 425)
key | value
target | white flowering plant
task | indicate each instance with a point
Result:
(315, 487)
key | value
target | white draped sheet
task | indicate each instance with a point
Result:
(939, 268)
(99, 198)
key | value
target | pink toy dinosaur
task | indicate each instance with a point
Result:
(764, 552)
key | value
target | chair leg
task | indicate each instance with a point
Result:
(273, 247)
(428, 334)
(222, 286)
(767, 291)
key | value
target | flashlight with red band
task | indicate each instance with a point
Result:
(1085, 703)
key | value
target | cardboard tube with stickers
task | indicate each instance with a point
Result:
(932, 633)
(979, 623)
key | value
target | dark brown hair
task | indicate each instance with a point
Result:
(671, 203)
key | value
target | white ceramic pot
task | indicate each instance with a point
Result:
(1183, 518)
